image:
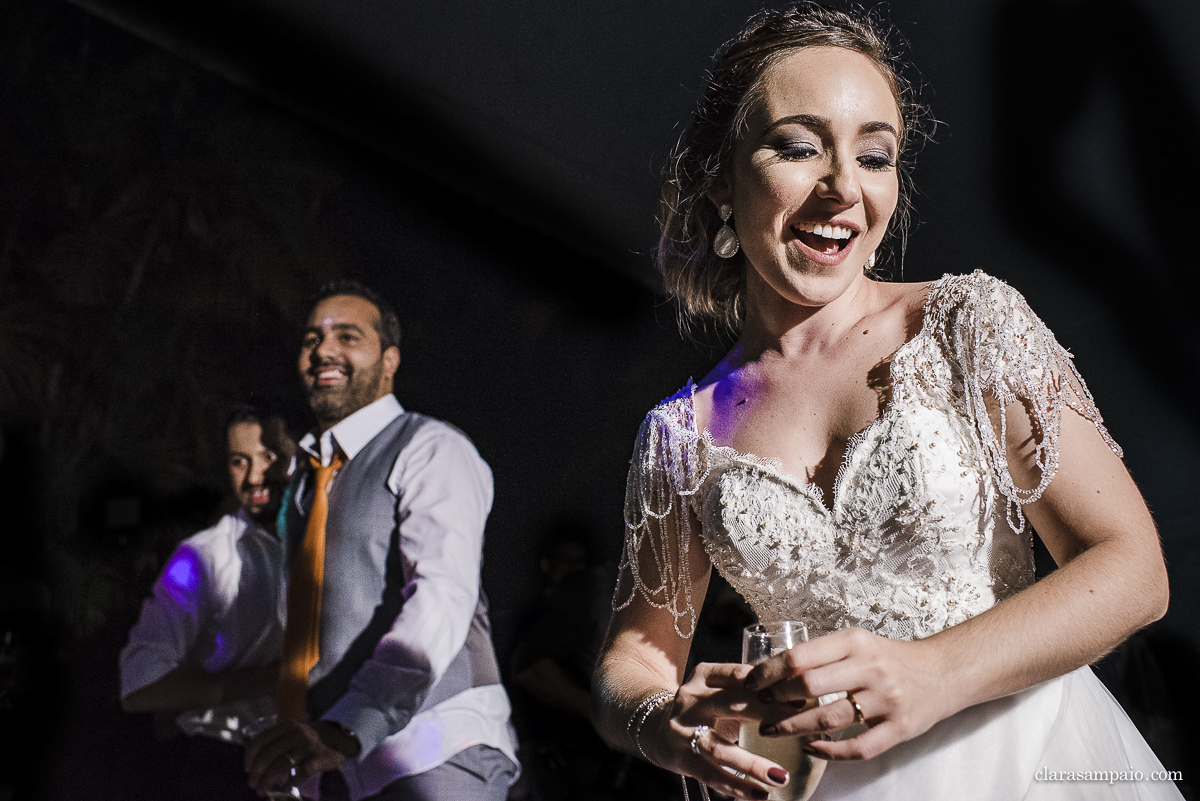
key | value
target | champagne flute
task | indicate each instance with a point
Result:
(760, 642)
(286, 790)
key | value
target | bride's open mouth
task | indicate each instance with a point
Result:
(825, 239)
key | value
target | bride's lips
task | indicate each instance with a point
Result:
(828, 243)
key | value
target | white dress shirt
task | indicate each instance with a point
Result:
(444, 494)
(215, 606)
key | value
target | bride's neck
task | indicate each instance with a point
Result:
(776, 324)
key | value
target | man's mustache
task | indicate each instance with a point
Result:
(319, 366)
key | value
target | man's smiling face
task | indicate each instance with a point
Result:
(342, 362)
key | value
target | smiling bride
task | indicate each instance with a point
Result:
(869, 459)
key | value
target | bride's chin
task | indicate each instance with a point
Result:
(813, 298)
(811, 290)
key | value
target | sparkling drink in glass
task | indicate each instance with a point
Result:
(760, 642)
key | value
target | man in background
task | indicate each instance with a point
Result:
(206, 647)
(389, 687)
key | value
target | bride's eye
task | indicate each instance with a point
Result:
(797, 150)
(877, 161)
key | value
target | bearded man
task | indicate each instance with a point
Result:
(389, 687)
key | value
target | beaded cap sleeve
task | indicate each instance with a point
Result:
(663, 474)
(923, 528)
(1000, 347)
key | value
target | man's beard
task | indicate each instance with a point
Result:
(334, 404)
(266, 516)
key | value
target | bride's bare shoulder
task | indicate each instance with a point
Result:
(906, 302)
(909, 293)
(704, 391)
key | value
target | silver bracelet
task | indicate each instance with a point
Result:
(647, 706)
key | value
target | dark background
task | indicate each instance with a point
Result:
(175, 179)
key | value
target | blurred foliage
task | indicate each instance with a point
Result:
(159, 233)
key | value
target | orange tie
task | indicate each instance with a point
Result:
(301, 637)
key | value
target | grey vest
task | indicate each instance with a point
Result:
(368, 579)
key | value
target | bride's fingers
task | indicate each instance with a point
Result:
(727, 784)
(881, 665)
(723, 674)
(722, 756)
(833, 716)
(837, 677)
(728, 704)
(861, 671)
(871, 743)
(718, 691)
(806, 656)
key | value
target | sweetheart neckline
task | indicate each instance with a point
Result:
(774, 465)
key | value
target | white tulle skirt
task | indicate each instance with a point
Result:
(1038, 744)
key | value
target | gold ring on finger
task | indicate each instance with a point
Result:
(859, 717)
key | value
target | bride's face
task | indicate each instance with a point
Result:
(813, 183)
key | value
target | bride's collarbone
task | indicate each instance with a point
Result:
(806, 432)
(810, 405)
(803, 414)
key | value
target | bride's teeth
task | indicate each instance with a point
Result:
(828, 231)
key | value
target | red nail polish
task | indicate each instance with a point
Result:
(778, 775)
(761, 795)
(808, 749)
(768, 730)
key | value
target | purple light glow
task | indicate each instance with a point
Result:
(181, 579)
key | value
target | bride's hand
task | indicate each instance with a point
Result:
(714, 697)
(896, 685)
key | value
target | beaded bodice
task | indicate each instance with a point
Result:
(923, 528)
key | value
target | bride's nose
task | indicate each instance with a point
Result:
(840, 183)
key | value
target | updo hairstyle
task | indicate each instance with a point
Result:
(709, 289)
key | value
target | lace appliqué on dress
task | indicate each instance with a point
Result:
(1001, 347)
(913, 539)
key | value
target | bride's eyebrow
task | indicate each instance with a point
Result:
(876, 127)
(814, 121)
(807, 120)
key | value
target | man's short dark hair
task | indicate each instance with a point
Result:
(275, 433)
(389, 323)
(264, 416)
(245, 413)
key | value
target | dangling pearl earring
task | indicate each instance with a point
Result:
(726, 243)
(870, 265)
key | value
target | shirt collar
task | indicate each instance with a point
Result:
(248, 524)
(353, 433)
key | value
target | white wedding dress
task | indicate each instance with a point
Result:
(924, 530)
